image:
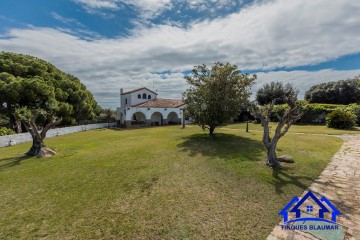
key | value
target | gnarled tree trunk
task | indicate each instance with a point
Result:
(270, 144)
(271, 158)
(283, 126)
(211, 131)
(38, 147)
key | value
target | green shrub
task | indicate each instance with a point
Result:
(316, 112)
(340, 119)
(278, 112)
(354, 109)
(318, 108)
(6, 131)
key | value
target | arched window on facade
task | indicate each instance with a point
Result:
(125, 100)
(149, 96)
(139, 95)
(144, 95)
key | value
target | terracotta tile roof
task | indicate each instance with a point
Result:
(135, 90)
(161, 103)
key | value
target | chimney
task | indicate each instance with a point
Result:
(121, 92)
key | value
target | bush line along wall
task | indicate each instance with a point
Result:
(10, 140)
(316, 112)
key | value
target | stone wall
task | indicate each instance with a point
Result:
(10, 140)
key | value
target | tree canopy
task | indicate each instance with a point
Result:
(338, 92)
(41, 96)
(275, 91)
(26, 81)
(217, 94)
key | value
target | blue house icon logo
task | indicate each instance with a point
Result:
(322, 205)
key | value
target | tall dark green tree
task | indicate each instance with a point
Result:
(275, 91)
(41, 96)
(217, 94)
(338, 92)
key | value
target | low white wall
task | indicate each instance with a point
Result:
(10, 140)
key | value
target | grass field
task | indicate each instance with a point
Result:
(155, 183)
(298, 128)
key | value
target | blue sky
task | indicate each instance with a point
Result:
(110, 44)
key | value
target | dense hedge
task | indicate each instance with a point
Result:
(6, 131)
(278, 111)
(340, 119)
(316, 112)
(354, 109)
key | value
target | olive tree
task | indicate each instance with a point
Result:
(216, 94)
(38, 132)
(290, 116)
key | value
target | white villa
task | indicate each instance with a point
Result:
(142, 107)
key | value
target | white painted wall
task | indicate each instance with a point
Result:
(123, 102)
(14, 139)
(120, 114)
(149, 111)
(132, 98)
(135, 100)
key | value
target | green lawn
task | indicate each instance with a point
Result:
(298, 128)
(155, 183)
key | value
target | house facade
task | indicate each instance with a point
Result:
(142, 107)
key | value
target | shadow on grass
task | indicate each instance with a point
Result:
(355, 128)
(282, 179)
(137, 127)
(225, 146)
(128, 128)
(11, 162)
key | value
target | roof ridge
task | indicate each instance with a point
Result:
(161, 103)
(138, 89)
(170, 99)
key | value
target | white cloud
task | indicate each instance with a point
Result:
(274, 34)
(98, 4)
(103, 8)
(149, 8)
(212, 5)
(75, 27)
(69, 21)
